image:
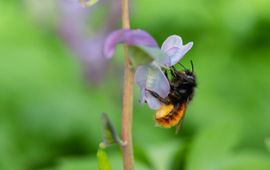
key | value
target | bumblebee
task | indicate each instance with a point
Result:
(182, 85)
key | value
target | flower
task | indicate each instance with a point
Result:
(79, 29)
(149, 76)
(85, 41)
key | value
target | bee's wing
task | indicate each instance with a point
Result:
(179, 125)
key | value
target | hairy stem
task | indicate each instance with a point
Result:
(127, 109)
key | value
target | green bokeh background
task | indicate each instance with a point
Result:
(50, 115)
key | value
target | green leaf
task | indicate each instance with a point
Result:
(109, 134)
(75, 163)
(103, 161)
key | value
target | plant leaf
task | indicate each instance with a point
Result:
(108, 132)
(103, 161)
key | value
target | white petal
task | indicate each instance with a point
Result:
(176, 54)
(157, 81)
(151, 77)
(152, 102)
(170, 42)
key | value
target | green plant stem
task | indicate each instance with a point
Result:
(127, 108)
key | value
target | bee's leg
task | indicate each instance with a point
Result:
(166, 74)
(173, 71)
(161, 99)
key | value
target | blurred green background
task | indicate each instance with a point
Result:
(50, 114)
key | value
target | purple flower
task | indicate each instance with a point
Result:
(86, 41)
(79, 29)
(150, 76)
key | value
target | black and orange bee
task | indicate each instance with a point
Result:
(182, 85)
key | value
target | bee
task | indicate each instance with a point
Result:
(182, 86)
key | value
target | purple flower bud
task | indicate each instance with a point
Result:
(131, 37)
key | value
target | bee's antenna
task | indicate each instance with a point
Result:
(182, 66)
(192, 66)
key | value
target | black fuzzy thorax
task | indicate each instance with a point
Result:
(182, 85)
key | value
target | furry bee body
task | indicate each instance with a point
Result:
(182, 85)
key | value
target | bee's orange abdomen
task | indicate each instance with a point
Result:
(169, 115)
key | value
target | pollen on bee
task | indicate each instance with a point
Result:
(169, 115)
(164, 110)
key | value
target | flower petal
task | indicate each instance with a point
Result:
(130, 37)
(176, 54)
(151, 77)
(152, 102)
(157, 55)
(170, 42)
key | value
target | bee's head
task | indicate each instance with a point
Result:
(189, 75)
(187, 72)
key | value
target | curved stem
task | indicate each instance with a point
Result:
(127, 108)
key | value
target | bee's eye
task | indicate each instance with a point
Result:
(187, 72)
